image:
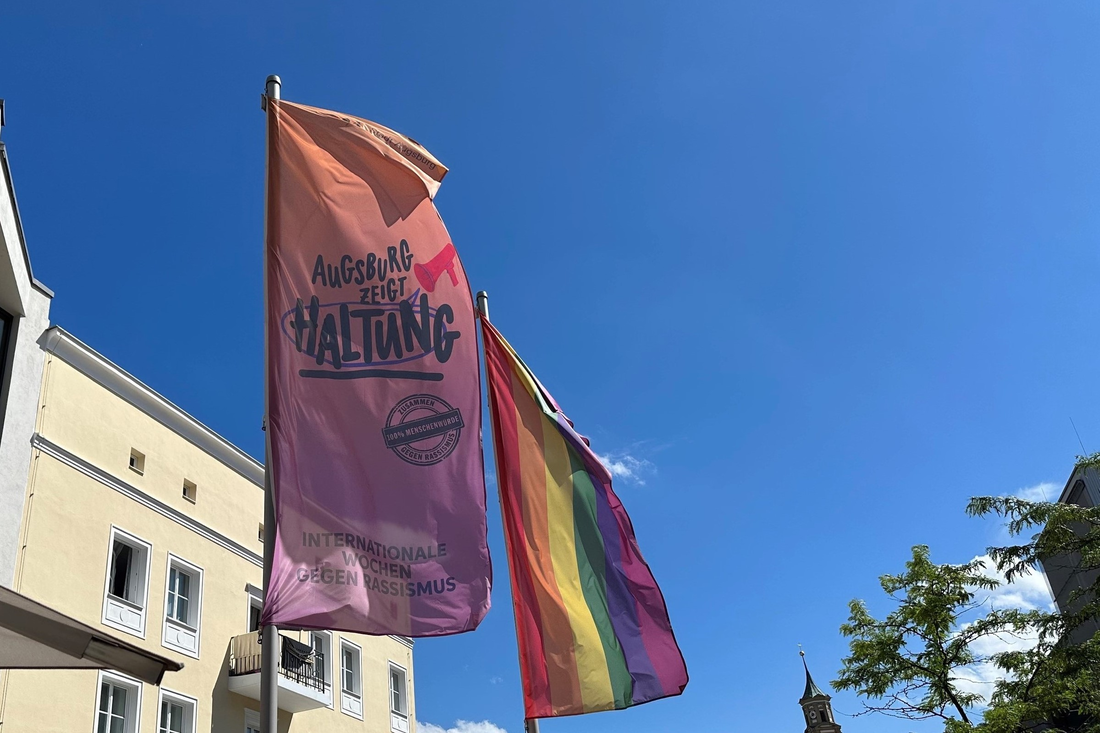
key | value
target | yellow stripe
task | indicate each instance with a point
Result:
(595, 680)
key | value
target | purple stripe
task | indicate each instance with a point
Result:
(652, 613)
(620, 604)
(635, 604)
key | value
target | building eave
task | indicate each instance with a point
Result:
(8, 181)
(98, 368)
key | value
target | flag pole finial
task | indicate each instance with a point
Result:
(273, 86)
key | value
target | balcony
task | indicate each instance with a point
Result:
(302, 683)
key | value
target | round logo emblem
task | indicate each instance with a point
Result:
(422, 429)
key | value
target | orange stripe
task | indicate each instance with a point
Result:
(561, 663)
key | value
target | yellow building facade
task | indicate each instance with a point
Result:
(140, 520)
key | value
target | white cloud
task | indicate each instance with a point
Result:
(461, 726)
(495, 680)
(1028, 592)
(1045, 491)
(982, 678)
(627, 467)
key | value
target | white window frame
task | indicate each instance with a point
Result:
(172, 627)
(353, 706)
(110, 600)
(255, 600)
(251, 721)
(133, 703)
(190, 708)
(330, 681)
(399, 720)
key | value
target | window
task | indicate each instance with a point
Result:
(7, 332)
(397, 691)
(171, 717)
(351, 690)
(118, 703)
(824, 715)
(190, 491)
(321, 642)
(182, 606)
(179, 595)
(126, 591)
(122, 565)
(255, 607)
(260, 534)
(177, 713)
(137, 461)
(1080, 495)
(112, 707)
(251, 721)
(399, 706)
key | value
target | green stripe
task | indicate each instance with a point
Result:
(591, 561)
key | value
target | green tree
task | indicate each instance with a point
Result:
(908, 665)
(1057, 682)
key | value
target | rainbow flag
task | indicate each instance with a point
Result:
(592, 625)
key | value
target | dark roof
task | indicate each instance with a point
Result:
(35, 636)
(812, 690)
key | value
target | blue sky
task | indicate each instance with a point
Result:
(816, 272)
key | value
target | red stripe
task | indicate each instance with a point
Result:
(559, 643)
(536, 685)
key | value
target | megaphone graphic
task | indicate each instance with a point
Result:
(428, 275)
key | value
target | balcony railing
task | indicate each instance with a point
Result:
(298, 664)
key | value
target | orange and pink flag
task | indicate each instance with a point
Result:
(374, 412)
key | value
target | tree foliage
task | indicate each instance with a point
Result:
(1057, 682)
(910, 664)
(907, 665)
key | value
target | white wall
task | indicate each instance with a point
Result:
(29, 303)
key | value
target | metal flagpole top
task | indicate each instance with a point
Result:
(483, 303)
(273, 86)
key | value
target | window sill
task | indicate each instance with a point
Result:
(181, 625)
(138, 631)
(399, 723)
(180, 638)
(125, 602)
(351, 705)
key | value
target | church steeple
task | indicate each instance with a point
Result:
(817, 707)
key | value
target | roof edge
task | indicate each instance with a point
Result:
(1078, 472)
(35, 282)
(103, 371)
(100, 369)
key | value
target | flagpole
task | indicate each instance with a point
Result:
(531, 725)
(269, 634)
